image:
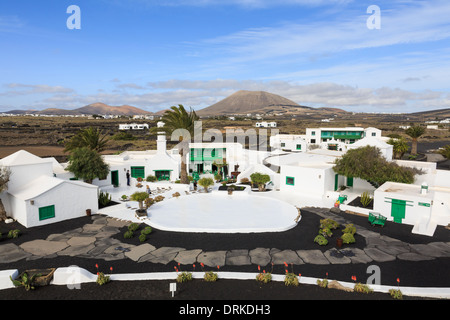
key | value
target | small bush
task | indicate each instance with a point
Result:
(348, 238)
(264, 277)
(13, 234)
(147, 230)
(128, 234)
(210, 276)
(151, 179)
(322, 283)
(366, 199)
(329, 224)
(102, 279)
(325, 232)
(321, 240)
(184, 277)
(349, 228)
(159, 198)
(142, 237)
(290, 279)
(362, 288)
(133, 227)
(396, 294)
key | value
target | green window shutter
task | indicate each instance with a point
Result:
(299, 147)
(138, 172)
(290, 181)
(46, 212)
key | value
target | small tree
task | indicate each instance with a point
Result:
(400, 146)
(367, 163)
(205, 183)
(445, 151)
(260, 180)
(415, 132)
(140, 197)
(87, 164)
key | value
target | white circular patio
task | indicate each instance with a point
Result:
(218, 212)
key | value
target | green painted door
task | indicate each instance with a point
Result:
(336, 182)
(115, 178)
(398, 210)
(349, 181)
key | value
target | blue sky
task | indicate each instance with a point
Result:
(154, 54)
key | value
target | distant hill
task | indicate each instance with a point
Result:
(101, 108)
(94, 108)
(432, 114)
(244, 102)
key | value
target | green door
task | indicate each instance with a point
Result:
(336, 182)
(349, 181)
(398, 210)
(115, 178)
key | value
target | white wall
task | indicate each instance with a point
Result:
(71, 199)
(308, 180)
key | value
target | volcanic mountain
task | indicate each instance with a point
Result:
(94, 108)
(243, 102)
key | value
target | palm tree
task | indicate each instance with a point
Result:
(400, 146)
(415, 132)
(90, 138)
(179, 122)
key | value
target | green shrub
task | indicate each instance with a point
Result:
(142, 237)
(348, 238)
(25, 281)
(320, 239)
(104, 198)
(102, 279)
(322, 283)
(396, 294)
(349, 228)
(328, 223)
(362, 288)
(210, 276)
(147, 230)
(264, 277)
(133, 227)
(13, 234)
(128, 234)
(366, 199)
(290, 279)
(184, 277)
(151, 178)
(325, 232)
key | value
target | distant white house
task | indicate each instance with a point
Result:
(36, 197)
(133, 126)
(265, 124)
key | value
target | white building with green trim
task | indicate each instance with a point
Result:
(35, 196)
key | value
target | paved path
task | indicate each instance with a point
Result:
(94, 241)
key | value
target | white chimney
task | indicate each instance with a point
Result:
(424, 188)
(161, 144)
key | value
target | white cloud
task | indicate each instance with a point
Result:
(27, 89)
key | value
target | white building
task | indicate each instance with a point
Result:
(265, 124)
(163, 164)
(289, 142)
(346, 135)
(36, 197)
(133, 126)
